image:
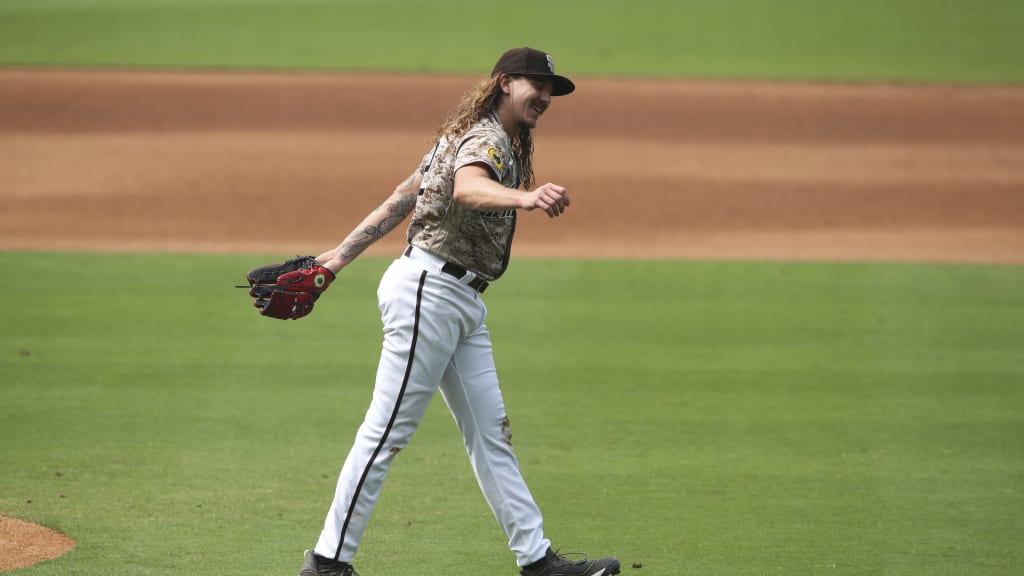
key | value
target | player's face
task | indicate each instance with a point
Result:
(528, 98)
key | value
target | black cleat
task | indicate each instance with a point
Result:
(317, 566)
(560, 565)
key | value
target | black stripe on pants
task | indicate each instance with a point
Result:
(391, 422)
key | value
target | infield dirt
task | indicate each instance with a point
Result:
(289, 163)
(24, 544)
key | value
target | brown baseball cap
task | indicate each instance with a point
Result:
(531, 62)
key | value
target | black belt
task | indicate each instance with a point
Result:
(478, 283)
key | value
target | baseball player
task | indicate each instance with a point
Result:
(464, 199)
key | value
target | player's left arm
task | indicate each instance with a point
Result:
(377, 224)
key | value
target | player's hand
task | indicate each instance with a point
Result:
(551, 198)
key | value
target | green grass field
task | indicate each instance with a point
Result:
(874, 40)
(695, 418)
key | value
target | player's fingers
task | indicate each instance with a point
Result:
(549, 207)
(562, 195)
(551, 198)
(555, 205)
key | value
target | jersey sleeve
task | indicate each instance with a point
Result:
(484, 148)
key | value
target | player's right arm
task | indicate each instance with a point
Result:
(382, 220)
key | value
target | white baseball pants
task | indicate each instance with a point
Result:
(434, 337)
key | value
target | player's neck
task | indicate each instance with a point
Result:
(508, 121)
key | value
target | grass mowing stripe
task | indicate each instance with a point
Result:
(872, 40)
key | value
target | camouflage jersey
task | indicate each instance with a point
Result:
(477, 240)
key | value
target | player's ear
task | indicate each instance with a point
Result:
(505, 81)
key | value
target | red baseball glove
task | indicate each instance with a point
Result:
(287, 290)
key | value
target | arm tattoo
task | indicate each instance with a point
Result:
(394, 213)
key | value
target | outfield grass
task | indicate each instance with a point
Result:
(692, 417)
(871, 40)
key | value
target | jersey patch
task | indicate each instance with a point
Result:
(495, 156)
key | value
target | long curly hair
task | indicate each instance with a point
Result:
(477, 103)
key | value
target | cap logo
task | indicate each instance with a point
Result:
(551, 63)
